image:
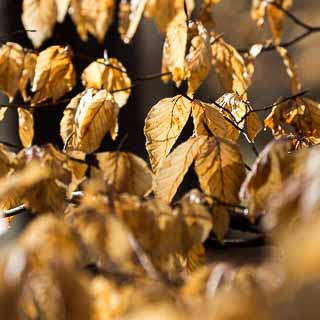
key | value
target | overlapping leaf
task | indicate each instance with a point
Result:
(54, 74)
(94, 17)
(108, 74)
(87, 119)
(126, 172)
(163, 126)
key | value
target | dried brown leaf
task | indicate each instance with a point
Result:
(174, 48)
(54, 74)
(220, 169)
(164, 11)
(126, 172)
(87, 119)
(92, 16)
(11, 66)
(163, 126)
(230, 67)
(41, 16)
(108, 74)
(254, 125)
(270, 170)
(26, 131)
(27, 75)
(130, 14)
(291, 68)
(198, 59)
(206, 116)
(173, 168)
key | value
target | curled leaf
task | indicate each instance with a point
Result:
(54, 74)
(108, 74)
(87, 118)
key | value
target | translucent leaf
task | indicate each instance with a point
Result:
(54, 74)
(126, 172)
(130, 14)
(92, 16)
(172, 170)
(88, 118)
(11, 67)
(108, 74)
(220, 169)
(26, 131)
(41, 16)
(163, 126)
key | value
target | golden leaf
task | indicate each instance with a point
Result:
(230, 67)
(163, 126)
(130, 14)
(291, 68)
(104, 236)
(87, 118)
(254, 125)
(196, 258)
(54, 74)
(164, 11)
(220, 169)
(174, 48)
(260, 8)
(266, 179)
(302, 114)
(3, 111)
(108, 74)
(233, 107)
(51, 240)
(198, 60)
(26, 131)
(11, 67)
(276, 17)
(92, 16)
(126, 172)
(173, 168)
(62, 9)
(221, 221)
(45, 190)
(206, 116)
(7, 160)
(41, 16)
(29, 66)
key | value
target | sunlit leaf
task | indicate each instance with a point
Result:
(94, 17)
(130, 14)
(126, 172)
(163, 126)
(54, 74)
(108, 74)
(41, 16)
(220, 169)
(26, 131)
(87, 119)
(11, 66)
(172, 170)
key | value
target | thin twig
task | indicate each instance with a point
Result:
(308, 30)
(271, 106)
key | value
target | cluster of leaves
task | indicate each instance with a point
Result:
(110, 213)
